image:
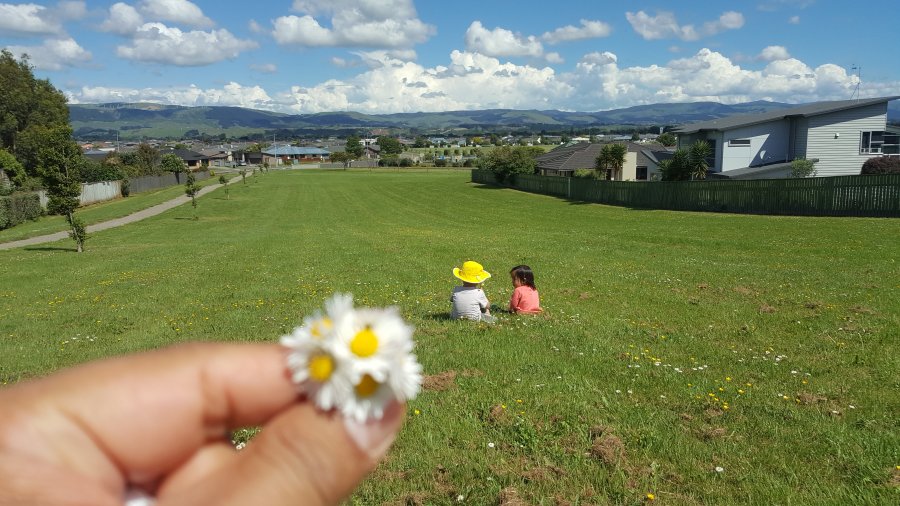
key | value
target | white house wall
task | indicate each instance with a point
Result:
(768, 144)
(834, 138)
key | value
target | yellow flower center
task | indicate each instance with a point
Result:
(364, 343)
(320, 367)
(320, 327)
(367, 386)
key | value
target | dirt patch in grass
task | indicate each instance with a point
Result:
(711, 433)
(584, 295)
(859, 309)
(472, 373)
(703, 286)
(440, 381)
(609, 449)
(807, 398)
(765, 308)
(743, 290)
(711, 413)
(813, 304)
(894, 480)
(413, 499)
(543, 473)
(509, 496)
(498, 415)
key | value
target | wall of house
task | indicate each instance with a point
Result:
(834, 138)
(768, 144)
(629, 170)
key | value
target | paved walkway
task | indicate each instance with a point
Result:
(118, 222)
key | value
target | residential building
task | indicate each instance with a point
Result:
(291, 155)
(840, 135)
(192, 159)
(641, 164)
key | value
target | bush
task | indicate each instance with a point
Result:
(881, 165)
(801, 167)
(440, 163)
(586, 173)
(19, 207)
(405, 162)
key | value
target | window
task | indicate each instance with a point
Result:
(641, 174)
(739, 142)
(871, 142)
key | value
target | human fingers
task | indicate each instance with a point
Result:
(303, 456)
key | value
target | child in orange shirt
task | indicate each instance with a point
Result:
(524, 298)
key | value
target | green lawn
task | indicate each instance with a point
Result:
(656, 323)
(101, 211)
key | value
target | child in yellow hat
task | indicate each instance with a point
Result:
(469, 301)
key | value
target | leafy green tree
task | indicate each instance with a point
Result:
(698, 154)
(505, 161)
(635, 136)
(13, 169)
(389, 146)
(170, 162)
(667, 139)
(147, 158)
(421, 142)
(58, 160)
(224, 182)
(340, 157)
(801, 167)
(354, 147)
(26, 101)
(687, 164)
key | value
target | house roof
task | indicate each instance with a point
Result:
(583, 155)
(295, 150)
(814, 109)
(185, 154)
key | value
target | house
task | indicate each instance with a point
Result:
(217, 157)
(841, 135)
(192, 159)
(641, 164)
(290, 155)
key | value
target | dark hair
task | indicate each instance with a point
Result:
(524, 274)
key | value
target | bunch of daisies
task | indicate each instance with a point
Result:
(354, 360)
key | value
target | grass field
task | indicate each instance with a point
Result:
(700, 358)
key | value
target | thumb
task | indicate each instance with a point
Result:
(302, 456)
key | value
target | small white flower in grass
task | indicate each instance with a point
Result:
(354, 360)
(720, 469)
(490, 445)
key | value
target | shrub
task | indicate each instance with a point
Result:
(881, 165)
(19, 207)
(586, 173)
(440, 163)
(126, 187)
(801, 167)
(405, 162)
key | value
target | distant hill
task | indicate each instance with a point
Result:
(136, 121)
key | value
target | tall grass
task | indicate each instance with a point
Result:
(697, 357)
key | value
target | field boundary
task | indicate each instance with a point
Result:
(871, 195)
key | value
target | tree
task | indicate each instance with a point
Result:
(340, 157)
(170, 162)
(147, 159)
(389, 146)
(354, 147)
(687, 164)
(505, 161)
(801, 167)
(224, 182)
(191, 189)
(635, 136)
(421, 142)
(667, 139)
(13, 169)
(58, 160)
(26, 101)
(611, 158)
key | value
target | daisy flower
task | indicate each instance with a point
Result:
(354, 360)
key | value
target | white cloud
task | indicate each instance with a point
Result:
(158, 43)
(176, 11)
(27, 19)
(665, 26)
(375, 24)
(123, 19)
(501, 42)
(555, 58)
(255, 27)
(72, 9)
(794, 20)
(471, 80)
(265, 68)
(773, 53)
(232, 94)
(587, 30)
(54, 54)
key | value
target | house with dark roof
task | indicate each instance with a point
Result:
(840, 135)
(192, 159)
(641, 164)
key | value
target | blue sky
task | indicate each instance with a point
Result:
(383, 56)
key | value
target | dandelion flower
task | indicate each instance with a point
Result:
(354, 360)
(651, 497)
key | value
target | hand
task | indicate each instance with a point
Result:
(160, 422)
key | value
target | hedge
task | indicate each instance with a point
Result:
(19, 207)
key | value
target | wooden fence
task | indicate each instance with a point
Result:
(874, 195)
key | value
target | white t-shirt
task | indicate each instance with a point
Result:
(467, 302)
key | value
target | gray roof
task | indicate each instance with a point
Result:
(814, 109)
(583, 155)
(294, 150)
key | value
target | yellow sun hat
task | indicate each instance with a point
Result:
(471, 272)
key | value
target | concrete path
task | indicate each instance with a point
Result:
(118, 222)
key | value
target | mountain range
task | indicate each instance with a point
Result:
(134, 121)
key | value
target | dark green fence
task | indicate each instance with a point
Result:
(876, 195)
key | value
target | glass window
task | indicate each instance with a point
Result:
(739, 142)
(872, 142)
(641, 174)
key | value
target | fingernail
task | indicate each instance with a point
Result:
(374, 437)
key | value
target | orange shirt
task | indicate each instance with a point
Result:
(525, 299)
